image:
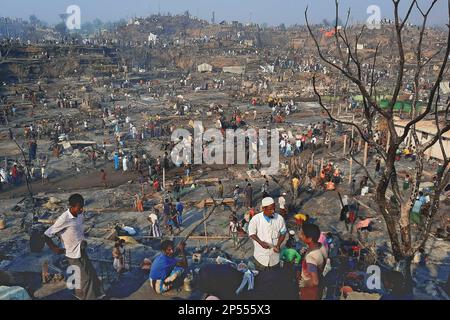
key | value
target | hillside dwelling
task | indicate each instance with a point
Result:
(234, 70)
(426, 130)
(205, 67)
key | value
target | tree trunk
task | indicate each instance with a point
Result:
(404, 267)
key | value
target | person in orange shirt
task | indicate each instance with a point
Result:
(330, 186)
(139, 204)
(322, 174)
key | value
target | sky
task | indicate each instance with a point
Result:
(272, 12)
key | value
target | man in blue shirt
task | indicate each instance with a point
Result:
(166, 269)
(179, 207)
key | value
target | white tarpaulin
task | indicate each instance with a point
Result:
(445, 87)
(13, 293)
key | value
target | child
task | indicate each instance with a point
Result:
(233, 230)
(313, 263)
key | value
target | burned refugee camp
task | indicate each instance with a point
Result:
(253, 151)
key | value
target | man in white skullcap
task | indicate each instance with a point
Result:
(267, 229)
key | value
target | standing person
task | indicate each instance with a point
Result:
(139, 203)
(344, 209)
(377, 167)
(156, 185)
(233, 230)
(125, 163)
(15, 174)
(406, 183)
(167, 216)
(353, 187)
(3, 178)
(219, 189)
(248, 192)
(118, 256)
(236, 194)
(69, 226)
(43, 173)
(313, 264)
(179, 207)
(282, 204)
(417, 208)
(176, 187)
(295, 185)
(116, 161)
(166, 269)
(298, 146)
(265, 189)
(103, 178)
(154, 224)
(174, 217)
(267, 229)
(32, 150)
(188, 169)
(94, 158)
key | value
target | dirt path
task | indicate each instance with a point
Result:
(75, 182)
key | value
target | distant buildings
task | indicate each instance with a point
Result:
(426, 131)
(204, 67)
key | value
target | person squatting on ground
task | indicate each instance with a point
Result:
(166, 271)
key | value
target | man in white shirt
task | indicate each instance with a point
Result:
(298, 145)
(69, 227)
(2, 178)
(268, 231)
(153, 219)
(283, 145)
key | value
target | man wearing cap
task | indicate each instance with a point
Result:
(267, 229)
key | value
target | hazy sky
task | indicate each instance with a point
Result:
(272, 12)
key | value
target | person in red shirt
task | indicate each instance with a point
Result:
(14, 174)
(156, 185)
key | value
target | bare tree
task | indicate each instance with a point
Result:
(347, 61)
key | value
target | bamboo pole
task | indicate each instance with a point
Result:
(366, 149)
(350, 171)
(353, 131)
(164, 178)
(206, 231)
(329, 141)
(345, 145)
(388, 140)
